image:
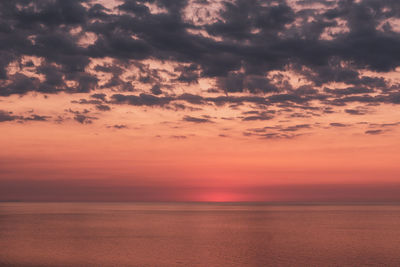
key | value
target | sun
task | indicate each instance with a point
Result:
(220, 197)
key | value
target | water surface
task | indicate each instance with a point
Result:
(190, 234)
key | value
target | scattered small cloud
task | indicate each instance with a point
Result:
(196, 119)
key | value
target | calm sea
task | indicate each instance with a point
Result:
(187, 234)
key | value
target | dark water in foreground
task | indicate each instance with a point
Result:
(140, 234)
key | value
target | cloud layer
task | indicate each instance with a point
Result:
(271, 60)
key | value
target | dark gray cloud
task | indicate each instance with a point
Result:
(9, 116)
(279, 131)
(188, 74)
(87, 102)
(163, 101)
(374, 132)
(99, 96)
(102, 107)
(295, 128)
(6, 116)
(338, 124)
(244, 50)
(196, 120)
(84, 119)
(384, 125)
(156, 89)
(118, 126)
(258, 116)
(271, 135)
(271, 39)
(356, 111)
(35, 117)
(140, 100)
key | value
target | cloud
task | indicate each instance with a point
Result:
(99, 96)
(290, 55)
(179, 136)
(140, 100)
(374, 132)
(118, 126)
(35, 117)
(254, 38)
(6, 116)
(196, 120)
(356, 111)
(271, 135)
(258, 116)
(103, 107)
(278, 131)
(338, 124)
(295, 128)
(156, 90)
(82, 117)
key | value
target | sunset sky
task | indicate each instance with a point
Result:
(199, 100)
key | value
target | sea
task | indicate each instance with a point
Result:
(199, 234)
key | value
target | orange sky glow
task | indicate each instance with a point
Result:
(200, 112)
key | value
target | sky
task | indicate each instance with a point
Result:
(199, 100)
